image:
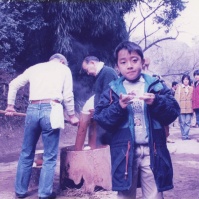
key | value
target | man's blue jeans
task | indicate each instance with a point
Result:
(38, 123)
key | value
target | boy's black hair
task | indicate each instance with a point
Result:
(196, 72)
(174, 84)
(130, 47)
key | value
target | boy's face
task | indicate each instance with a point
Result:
(129, 64)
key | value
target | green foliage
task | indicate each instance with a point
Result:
(18, 21)
(44, 27)
(31, 31)
(11, 40)
(93, 20)
(171, 10)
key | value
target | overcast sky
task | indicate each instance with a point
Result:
(188, 22)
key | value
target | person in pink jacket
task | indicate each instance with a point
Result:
(195, 98)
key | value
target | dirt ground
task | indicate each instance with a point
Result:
(185, 158)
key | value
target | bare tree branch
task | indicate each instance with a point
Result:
(152, 33)
(144, 18)
(159, 40)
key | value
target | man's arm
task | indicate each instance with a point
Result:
(68, 98)
(14, 86)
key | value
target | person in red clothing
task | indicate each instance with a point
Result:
(195, 98)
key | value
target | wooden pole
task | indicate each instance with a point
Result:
(82, 130)
(24, 114)
(92, 134)
(14, 113)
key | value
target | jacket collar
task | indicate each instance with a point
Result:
(152, 83)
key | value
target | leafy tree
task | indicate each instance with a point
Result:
(96, 26)
(20, 33)
(74, 28)
(11, 40)
(155, 20)
(87, 27)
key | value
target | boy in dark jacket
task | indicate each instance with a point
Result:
(135, 110)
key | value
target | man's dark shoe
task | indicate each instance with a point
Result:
(52, 196)
(18, 195)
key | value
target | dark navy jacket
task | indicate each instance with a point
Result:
(120, 125)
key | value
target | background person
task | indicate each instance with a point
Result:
(195, 99)
(102, 73)
(103, 76)
(183, 96)
(134, 149)
(174, 87)
(50, 85)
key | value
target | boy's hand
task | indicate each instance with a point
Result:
(148, 98)
(124, 100)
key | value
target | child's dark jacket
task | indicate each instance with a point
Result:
(119, 123)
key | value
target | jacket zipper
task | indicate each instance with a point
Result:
(127, 159)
